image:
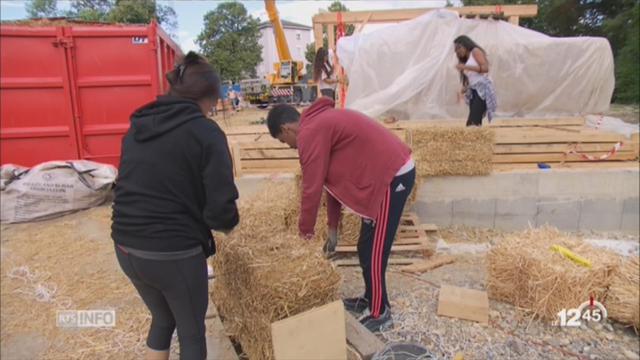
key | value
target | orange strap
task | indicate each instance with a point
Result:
(343, 88)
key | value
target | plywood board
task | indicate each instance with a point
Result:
(463, 303)
(319, 333)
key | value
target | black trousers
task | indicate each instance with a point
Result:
(477, 109)
(330, 93)
(376, 238)
(176, 293)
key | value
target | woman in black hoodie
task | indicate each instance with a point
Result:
(175, 185)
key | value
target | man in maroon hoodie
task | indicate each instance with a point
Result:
(363, 167)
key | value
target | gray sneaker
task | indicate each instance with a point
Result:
(356, 306)
(381, 323)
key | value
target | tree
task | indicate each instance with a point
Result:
(42, 8)
(627, 66)
(337, 6)
(125, 11)
(229, 41)
(310, 56)
(90, 10)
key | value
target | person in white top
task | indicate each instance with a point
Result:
(477, 88)
(324, 74)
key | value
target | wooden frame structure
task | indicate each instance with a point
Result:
(512, 13)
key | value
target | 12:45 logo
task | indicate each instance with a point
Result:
(589, 311)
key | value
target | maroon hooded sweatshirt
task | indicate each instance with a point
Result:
(350, 155)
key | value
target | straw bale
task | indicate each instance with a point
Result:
(265, 272)
(624, 294)
(444, 151)
(68, 264)
(524, 271)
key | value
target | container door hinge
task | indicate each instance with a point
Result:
(63, 42)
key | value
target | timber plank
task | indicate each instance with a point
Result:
(556, 157)
(551, 148)
(269, 154)
(510, 167)
(392, 261)
(394, 248)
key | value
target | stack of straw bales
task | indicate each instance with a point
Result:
(265, 272)
(624, 294)
(524, 271)
(445, 151)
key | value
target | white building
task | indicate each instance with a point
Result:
(298, 37)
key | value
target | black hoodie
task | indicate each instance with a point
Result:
(175, 182)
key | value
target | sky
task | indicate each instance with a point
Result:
(191, 12)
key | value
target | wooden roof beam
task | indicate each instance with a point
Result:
(386, 16)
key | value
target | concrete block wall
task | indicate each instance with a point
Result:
(572, 200)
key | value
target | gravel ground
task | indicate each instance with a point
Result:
(510, 334)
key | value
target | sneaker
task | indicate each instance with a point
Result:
(356, 306)
(383, 322)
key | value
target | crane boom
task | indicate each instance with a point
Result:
(278, 31)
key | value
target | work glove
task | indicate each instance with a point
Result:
(329, 247)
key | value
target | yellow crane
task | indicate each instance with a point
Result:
(286, 71)
(284, 84)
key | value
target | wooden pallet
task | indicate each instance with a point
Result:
(412, 243)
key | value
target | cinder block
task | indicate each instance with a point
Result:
(601, 214)
(434, 212)
(576, 184)
(466, 187)
(479, 213)
(516, 214)
(563, 214)
(631, 216)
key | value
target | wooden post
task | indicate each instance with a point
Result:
(362, 24)
(331, 36)
(235, 158)
(515, 20)
(317, 35)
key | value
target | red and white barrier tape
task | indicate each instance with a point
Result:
(574, 150)
(599, 122)
(281, 92)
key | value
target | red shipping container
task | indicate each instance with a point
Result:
(66, 92)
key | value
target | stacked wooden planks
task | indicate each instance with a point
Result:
(412, 243)
(520, 143)
(563, 141)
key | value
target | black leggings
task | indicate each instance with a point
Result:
(330, 93)
(374, 245)
(176, 293)
(477, 109)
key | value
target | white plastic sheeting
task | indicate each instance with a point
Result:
(408, 69)
(611, 124)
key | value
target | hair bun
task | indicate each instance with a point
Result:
(192, 58)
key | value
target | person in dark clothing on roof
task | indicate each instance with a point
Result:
(175, 185)
(364, 168)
